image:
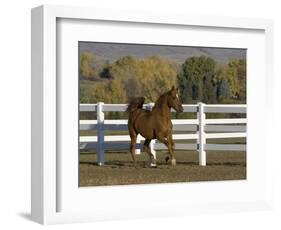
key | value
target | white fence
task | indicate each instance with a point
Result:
(203, 129)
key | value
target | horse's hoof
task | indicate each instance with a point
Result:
(153, 165)
(173, 162)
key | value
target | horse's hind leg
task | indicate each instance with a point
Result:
(133, 136)
(152, 162)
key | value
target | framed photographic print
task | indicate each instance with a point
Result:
(140, 114)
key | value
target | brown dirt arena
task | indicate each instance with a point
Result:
(119, 170)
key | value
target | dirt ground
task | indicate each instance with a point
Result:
(119, 169)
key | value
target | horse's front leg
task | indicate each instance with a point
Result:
(171, 158)
(170, 145)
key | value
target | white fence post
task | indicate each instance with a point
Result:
(201, 141)
(150, 107)
(100, 134)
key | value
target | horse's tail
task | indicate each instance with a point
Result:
(135, 103)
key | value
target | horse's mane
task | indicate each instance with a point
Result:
(161, 100)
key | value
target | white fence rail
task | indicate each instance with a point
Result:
(204, 129)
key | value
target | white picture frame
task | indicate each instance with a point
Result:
(46, 164)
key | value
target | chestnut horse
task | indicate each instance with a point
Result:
(155, 124)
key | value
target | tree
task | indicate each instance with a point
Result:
(105, 72)
(147, 77)
(241, 67)
(86, 69)
(93, 68)
(223, 91)
(236, 76)
(209, 91)
(84, 94)
(186, 88)
(107, 92)
(197, 78)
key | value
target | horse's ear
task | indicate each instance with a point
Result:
(173, 91)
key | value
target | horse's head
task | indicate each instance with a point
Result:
(174, 101)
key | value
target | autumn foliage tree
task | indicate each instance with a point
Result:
(147, 77)
(234, 75)
(237, 74)
(92, 68)
(86, 69)
(199, 78)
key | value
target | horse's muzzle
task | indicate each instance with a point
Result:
(180, 110)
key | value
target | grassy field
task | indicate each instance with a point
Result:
(119, 170)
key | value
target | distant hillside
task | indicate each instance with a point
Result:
(113, 51)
